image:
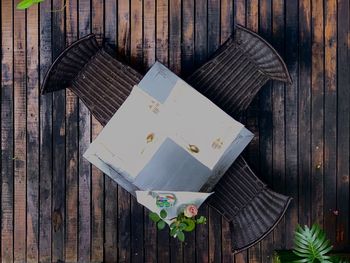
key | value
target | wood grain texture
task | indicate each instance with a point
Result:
(7, 184)
(291, 115)
(59, 143)
(279, 118)
(97, 177)
(110, 188)
(32, 56)
(46, 147)
(56, 207)
(84, 175)
(252, 120)
(265, 123)
(343, 126)
(124, 213)
(19, 157)
(72, 139)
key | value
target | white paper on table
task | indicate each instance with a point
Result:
(146, 199)
(192, 119)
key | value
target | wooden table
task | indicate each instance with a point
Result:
(55, 206)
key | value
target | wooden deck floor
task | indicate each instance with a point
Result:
(55, 206)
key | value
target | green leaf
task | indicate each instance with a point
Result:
(182, 226)
(311, 244)
(24, 4)
(163, 214)
(190, 225)
(181, 236)
(161, 224)
(38, 1)
(154, 217)
(201, 220)
(173, 231)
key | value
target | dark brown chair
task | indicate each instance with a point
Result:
(231, 78)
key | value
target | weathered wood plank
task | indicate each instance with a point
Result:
(162, 251)
(175, 35)
(110, 188)
(124, 233)
(291, 113)
(252, 119)
(240, 17)
(20, 164)
(162, 31)
(58, 131)
(84, 179)
(343, 125)
(214, 218)
(176, 248)
(72, 145)
(136, 54)
(152, 13)
(46, 146)
(278, 118)
(187, 47)
(265, 122)
(32, 135)
(227, 23)
(304, 109)
(7, 131)
(187, 63)
(330, 123)
(97, 178)
(317, 112)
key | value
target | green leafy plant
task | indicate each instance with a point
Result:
(24, 4)
(310, 246)
(185, 221)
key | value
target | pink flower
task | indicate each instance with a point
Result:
(190, 211)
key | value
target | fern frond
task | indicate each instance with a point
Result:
(311, 245)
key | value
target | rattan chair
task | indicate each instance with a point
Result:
(232, 77)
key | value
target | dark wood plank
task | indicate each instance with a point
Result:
(111, 188)
(162, 31)
(58, 131)
(162, 251)
(84, 179)
(278, 118)
(151, 12)
(317, 112)
(136, 53)
(240, 17)
(214, 218)
(187, 63)
(265, 122)
(7, 131)
(46, 146)
(343, 126)
(124, 234)
(175, 35)
(201, 31)
(33, 135)
(227, 17)
(330, 123)
(304, 109)
(187, 47)
(176, 247)
(20, 164)
(72, 139)
(252, 119)
(97, 178)
(291, 113)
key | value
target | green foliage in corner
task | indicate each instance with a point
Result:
(24, 4)
(310, 246)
